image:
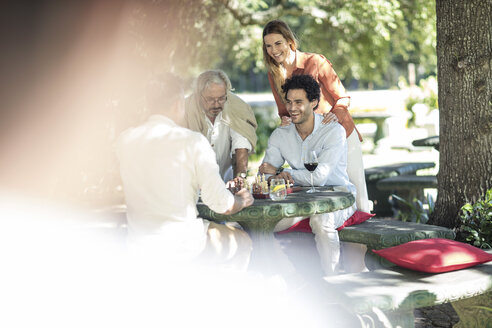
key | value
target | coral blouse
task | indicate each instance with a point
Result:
(332, 88)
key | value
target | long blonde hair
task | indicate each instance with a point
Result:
(278, 72)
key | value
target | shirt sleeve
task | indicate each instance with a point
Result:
(214, 193)
(333, 148)
(330, 81)
(273, 154)
(238, 141)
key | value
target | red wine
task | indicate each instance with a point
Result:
(310, 166)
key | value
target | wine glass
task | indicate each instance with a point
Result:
(311, 163)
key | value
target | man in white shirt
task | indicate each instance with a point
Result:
(225, 120)
(292, 143)
(163, 167)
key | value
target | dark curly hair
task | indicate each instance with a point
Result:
(304, 82)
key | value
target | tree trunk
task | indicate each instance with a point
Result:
(464, 60)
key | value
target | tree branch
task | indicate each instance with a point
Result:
(246, 17)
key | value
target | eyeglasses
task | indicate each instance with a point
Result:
(212, 101)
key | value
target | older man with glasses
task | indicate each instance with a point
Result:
(226, 121)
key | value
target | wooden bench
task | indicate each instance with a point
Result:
(397, 292)
(382, 206)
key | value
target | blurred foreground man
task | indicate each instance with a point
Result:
(163, 166)
(226, 121)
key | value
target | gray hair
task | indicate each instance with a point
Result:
(215, 76)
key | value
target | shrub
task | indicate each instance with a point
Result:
(476, 222)
(414, 211)
(267, 120)
(425, 93)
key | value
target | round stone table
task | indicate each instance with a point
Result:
(260, 219)
(264, 214)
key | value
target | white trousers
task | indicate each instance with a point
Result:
(325, 234)
(355, 171)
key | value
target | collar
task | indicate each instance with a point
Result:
(217, 119)
(300, 59)
(317, 121)
(162, 119)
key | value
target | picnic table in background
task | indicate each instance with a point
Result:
(377, 117)
(427, 142)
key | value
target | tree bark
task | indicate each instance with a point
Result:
(464, 60)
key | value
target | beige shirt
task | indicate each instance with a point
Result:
(237, 114)
(224, 141)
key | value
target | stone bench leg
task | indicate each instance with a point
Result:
(379, 319)
(375, 262)
(472, 313)
(381, 204)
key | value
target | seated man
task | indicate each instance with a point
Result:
(226, 121)
(292, 143)
(163, 167)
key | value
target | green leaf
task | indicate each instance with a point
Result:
(482, 308)
(402, 200)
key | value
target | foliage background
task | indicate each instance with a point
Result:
(369, 42)
(84, 65)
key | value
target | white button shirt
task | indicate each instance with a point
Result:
(329, 142)
(224, 142)
(163, 166)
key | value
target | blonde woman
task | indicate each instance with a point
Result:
(284, 60)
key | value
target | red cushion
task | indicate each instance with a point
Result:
(303, 226)
(356, 218)
(434, 255)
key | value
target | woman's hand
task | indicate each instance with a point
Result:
(286, 120)
(329, 117)
(267, 168)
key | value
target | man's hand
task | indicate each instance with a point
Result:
(283, 175)
(235, 184)
(329, 117)
(286, 120)
(245, 197)
(242, 199)
(267, 168)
